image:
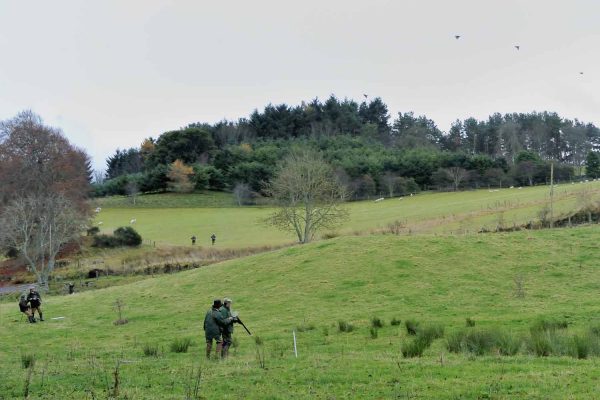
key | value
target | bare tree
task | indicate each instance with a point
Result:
(132, 190)
(456, 175)
(308, 195)
(242, 193)
(37, 227)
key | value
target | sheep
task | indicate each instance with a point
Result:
(133, 221)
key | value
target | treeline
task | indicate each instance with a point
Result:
(371, 155)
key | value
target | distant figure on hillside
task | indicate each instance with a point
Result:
(213, 324)
(193, 238)
(25, 308)
(213, 238)
(35, 301)
(71, 287)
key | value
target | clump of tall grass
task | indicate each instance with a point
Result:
(150, 350)
(395, 322)
(412, 326)
(548, 325)
(376, 322)
(27, 360)
(424, 337)
(181, 345)
(483, 341)
(469, 322)
(344, 326)
(374, 332)
(304, 327)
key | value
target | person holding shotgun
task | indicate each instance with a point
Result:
(213, 327)
(229, 318)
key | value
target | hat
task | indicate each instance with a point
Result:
(227, 300)
(217, 303)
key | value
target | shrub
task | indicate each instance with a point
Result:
(469, 322)
(181, 345)
(105, 241)
(27, 360)
(395, 322)
(374, 333)
(376, 322)
(412, 326)
(150, 350)
(343, 326)
(94, 230)
(128, 236)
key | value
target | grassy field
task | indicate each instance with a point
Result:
(504, 280)
(171, 219)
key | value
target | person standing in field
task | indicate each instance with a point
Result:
(26, 308)
(193, 238)
(35, 301)
(213, 238)
(228, 320)
(213, 327)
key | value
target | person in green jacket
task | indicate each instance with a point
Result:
(213, 326)
(228, 320)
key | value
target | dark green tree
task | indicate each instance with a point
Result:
(592, 165)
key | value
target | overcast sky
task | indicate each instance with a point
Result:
(110, 73)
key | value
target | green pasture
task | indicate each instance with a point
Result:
(431, 278)
(173, 219)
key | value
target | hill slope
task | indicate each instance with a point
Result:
(173, 219)
(438, 279)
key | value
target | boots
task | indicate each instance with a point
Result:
(41, 317)
(208, 349)
(31, 319)
(225, 351)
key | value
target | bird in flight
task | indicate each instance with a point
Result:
(457, 37)
(366, 95)
(581, 73)
(518, 47)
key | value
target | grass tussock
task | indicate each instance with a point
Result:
(377, 323)
(150, 350)
(469, 322)
(395, 321)
(548, 325)
(305, 327)
(181, 345)
(344, 326)
(27, 360)
(412, 326)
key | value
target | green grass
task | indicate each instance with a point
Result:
(168, 200)
(173, 219)
(437, 280)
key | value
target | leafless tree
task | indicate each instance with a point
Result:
(242, 193)
(37, 227)
(132, 190)
(308, 196)
(456, 175)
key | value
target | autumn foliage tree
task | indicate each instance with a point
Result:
(179, 177)
(44, 184)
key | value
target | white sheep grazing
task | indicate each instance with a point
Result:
(379, 199)
(100, 223)
(133, 221)
(98, 210)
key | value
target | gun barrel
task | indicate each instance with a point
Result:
(242, 324)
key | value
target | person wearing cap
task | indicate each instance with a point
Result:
(26, 308)
(213, 326)
(35, 301)
(228, 321)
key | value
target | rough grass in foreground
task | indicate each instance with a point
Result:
(431, 279)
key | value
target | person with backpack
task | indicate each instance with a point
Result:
(35, 301)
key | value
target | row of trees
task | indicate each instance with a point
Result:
(370, 154)
(44, 186)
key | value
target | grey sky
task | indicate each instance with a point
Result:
(111, 73)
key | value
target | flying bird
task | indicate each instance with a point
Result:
(457, 37)
(518, 47)
(581, 73)
(366, 95)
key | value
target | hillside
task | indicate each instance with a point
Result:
(173, 219)
(434, 279)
